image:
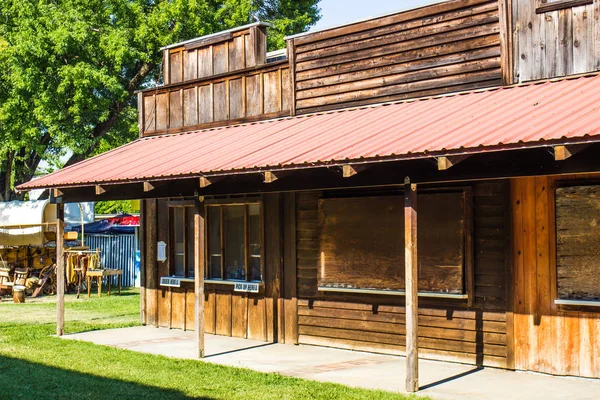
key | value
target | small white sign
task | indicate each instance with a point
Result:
(161, 251)
(170, 282)
(246, 287)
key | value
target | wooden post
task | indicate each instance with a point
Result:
(412, 279)
(60, 269)
(199, 274)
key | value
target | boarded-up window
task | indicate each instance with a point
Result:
(578, 242)
(362, 242)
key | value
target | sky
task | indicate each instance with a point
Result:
(340, 12)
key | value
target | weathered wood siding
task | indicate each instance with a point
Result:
(250, 95)
(442, 48)
(555, 43)
(227, 52)
(246, 315)
(548, 338)
(449, 329)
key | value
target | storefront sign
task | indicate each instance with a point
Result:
(161, 251)
(246, 287)
(170, 282)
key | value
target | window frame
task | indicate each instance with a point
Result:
(468, 294)
(186, 207)
(544, 6)
(247, 256)
(574, 305)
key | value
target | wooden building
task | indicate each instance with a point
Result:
(444, 156)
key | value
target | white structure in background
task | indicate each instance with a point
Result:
(37, 212)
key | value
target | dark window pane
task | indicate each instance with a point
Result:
(214, 242)
(189, 238)
(178, 246)
(254, 240)
(234, 242)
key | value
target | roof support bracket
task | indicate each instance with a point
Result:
(204, 181)
(561, 153)
(148, 186)
(57, 193)
(100, 190)
(447, 162)
(270, 176)
(351, 170)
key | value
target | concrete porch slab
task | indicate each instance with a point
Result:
(439, 380)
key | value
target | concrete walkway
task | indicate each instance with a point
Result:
(438, 380)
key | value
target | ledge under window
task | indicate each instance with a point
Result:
(393, 292)
(587, 303)
(550, 6)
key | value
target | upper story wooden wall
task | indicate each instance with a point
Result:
(442, 48)
(216, 55)
(555, 43)
(220, 80)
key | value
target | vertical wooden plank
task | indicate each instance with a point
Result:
(199, 274)
(586, 345)
(256, 317)
(190, 308)
(205, 104)
(530, 268)
(149, 113)
(236, 54)
(239, 315)
(525, 40)
(161, 111)
(596, 29)
(290, 269)
(60, 269)
(141, 114)
(143, 259)
(166, 68)
(411, 284)
(162, 234)
(509, 278)
(190, 64)
(550, 21)
(272, 250)
(252, 95)
(538, 44)
(505, 9)
(175, 109)
(223, 313)
(190, 107)
(285, 89)
(210, 317)
(236, 102)
(564, 54)
(271, 92)
(205, 62)
(220, 101)
(469, 248)
(292, 58)
(175, 60)
(581, 50)
(542, 317)
(519, 317)
(219, 59)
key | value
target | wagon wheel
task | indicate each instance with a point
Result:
(50, 274)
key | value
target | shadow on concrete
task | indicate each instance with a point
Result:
(451, 378)
(26, 380)
(238, 350)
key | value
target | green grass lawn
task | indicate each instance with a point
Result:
(36, 365)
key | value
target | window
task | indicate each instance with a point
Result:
(234, 242)
(362, 242)
(578, 243)
(182, 241)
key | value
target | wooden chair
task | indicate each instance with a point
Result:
(21, 276)
(5, 282)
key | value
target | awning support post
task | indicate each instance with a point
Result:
(60, 269)
(199, 274)
(411, 283)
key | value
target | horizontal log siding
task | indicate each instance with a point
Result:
(438, 49)
(449, 330)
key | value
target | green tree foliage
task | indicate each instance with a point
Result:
(69, 68)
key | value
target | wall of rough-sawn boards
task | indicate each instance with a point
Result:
(449, 329)
(437, 49)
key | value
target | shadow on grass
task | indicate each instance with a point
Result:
(26, 380)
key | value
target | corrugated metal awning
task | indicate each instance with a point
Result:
(523, 116)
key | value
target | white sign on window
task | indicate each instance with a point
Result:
(170, 282)
(246, 287)
(161, 251)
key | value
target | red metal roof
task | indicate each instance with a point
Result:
(537, 114)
